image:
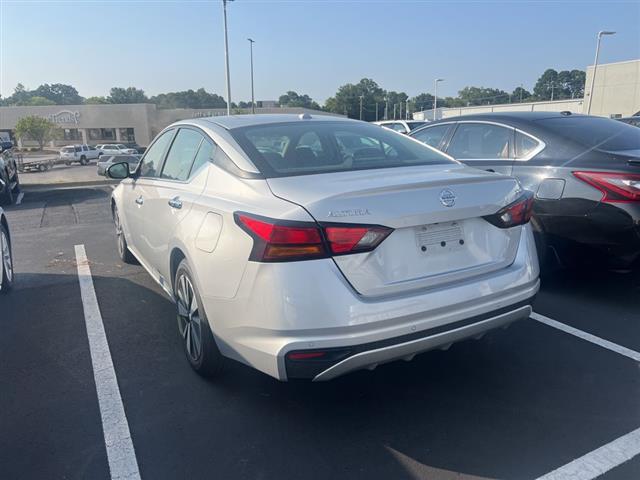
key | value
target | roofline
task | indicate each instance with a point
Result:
(614, 63)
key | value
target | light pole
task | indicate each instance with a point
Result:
(407, 110)
(376, 111)
(361, 97)
(253, 101)
(226, 55)
(595, 67)
(435, 96)
(386, 108)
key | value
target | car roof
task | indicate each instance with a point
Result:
(237, 121)
(509, 116)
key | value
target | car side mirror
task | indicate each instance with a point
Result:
(118, 171)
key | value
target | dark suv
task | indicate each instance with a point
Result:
(585, 172)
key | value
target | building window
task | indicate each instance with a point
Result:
(72, 134)
(102, 133)
(127, 135)
(108, 133)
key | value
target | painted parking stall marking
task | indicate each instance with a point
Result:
(600, 461)
(614, 347)
(117, 437)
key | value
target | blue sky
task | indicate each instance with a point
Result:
(310, 46)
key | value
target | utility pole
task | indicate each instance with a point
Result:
(253, 100)
(552, 85)
(386, 108)
(394, 110)
(435, 97)
(407, 110)
(595, 67)
(226, 55)
(361, 97)
(400, 110)
(376, 111)
(521, 89)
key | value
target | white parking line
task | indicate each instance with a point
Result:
(117, 438)
(19, 199)
(600, 461)
(614, 347)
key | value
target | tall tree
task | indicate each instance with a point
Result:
(127, 95)
(547, 85)
(95, 101)
(292, 99)
(189, 99)
(39, 101)
(482, 96)
(36, 128)
(346, 101)
(520, 94)
(59, 94)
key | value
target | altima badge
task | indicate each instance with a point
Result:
(447, 198)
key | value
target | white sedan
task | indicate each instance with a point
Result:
(309, 247)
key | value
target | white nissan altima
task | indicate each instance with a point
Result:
(312, 246)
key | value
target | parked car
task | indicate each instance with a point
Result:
(585, 172)
(5, 142)
(635, 121)
(6, 258)
(117, 149)
(135, 146)
(9, 178)
(81, 154)
(287, 252)
(401, 126)
(107, 160)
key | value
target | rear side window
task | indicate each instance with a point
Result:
(204, 155)
(480, 141)
(398, 127)
(525, 145)
(180, 157)
(433, 135)
(303, 148)
(153, 156)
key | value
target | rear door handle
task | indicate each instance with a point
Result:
(140, 200)
(175, 203)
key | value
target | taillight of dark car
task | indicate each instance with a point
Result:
(615, 187)
(514, 214)
(284, 241)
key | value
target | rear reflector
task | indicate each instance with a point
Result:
(615, 187)
(514, 214)
(305, 355)
(279, 241)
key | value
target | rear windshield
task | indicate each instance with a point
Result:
(594, 132)
(304, 148)
(68, 150)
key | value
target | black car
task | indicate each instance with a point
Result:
(635, 121)
(584, 170)
(9, 181)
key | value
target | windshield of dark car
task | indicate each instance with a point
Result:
(304, 148)
(594, 132)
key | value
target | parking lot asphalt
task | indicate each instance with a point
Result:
(517, 404)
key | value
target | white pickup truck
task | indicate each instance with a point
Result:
(79, 153)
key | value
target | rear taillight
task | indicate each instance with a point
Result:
(615, 187)
(516, 213)
(282, 241)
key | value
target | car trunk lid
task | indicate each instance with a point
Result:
(436, 212)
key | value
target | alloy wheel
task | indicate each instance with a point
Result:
(189, 318)
(5, 253)
(119, 233)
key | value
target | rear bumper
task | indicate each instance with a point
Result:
(406, 347)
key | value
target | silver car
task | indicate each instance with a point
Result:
(309, 247)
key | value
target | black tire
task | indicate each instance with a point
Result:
(67, 163)
(16, 187)
(6, 282)
(123, 249)
(42, 167)
(542, 246)
(84, 161)
(198, 342)
(6, 197)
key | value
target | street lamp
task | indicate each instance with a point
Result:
(361, 97)
(595, 67)
(407, 110)
(226, 54)
(253, 102)
(435, 96)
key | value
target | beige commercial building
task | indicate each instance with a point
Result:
(122, 123)
(616, 93)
